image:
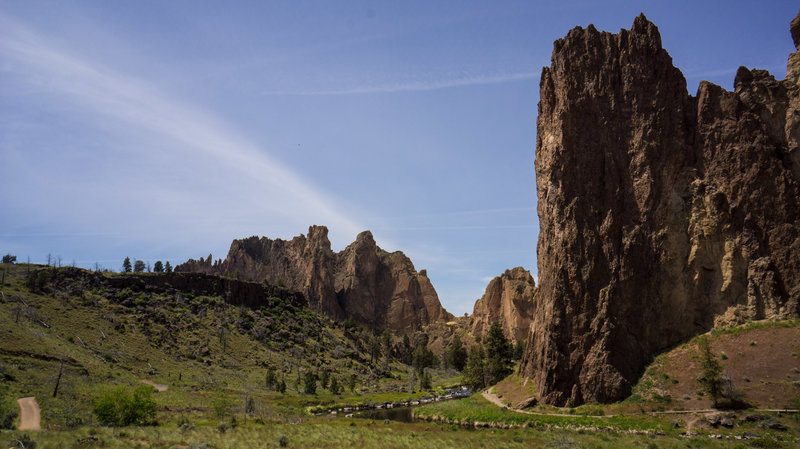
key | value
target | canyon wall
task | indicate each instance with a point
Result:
(661, 214)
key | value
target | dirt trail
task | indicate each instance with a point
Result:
(158, 387)
(491, 397)
(30, 415)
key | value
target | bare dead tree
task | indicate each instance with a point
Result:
(58, 379)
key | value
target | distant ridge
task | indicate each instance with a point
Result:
(375, 287)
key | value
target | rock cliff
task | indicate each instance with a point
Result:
(662, 214)
(373, 286)
(508, 300)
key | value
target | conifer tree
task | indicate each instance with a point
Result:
(499, 353)
(474, 370)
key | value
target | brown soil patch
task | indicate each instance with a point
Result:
(763, 364)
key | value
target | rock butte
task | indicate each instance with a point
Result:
(509, 300)
(373, 286)
(662, 214)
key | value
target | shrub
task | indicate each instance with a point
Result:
(120, 407)
(8, 413)
(184, 424)
(22, 442)
(222, 427)
(222, 406)
(283, 441)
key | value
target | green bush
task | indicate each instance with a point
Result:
(23, 441)
(120, 407)
(8, 413)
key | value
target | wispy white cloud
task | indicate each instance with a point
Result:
(418, 86)
(189, 132)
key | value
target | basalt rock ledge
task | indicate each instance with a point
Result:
(662, 214)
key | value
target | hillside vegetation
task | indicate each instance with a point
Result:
(217, 359)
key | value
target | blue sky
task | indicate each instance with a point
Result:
(165, 129)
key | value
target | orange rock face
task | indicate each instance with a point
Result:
(509, 300)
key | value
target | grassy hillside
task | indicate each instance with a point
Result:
(213, 356)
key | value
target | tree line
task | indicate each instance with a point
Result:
(139, 266)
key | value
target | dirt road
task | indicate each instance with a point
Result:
(30, 415)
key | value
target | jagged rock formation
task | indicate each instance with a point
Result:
(508, 300)
(374, 286)
(661, 214)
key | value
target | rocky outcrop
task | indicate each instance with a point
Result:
(239, 293)
(661, 214)
(373, 286)
(233, 291)
(508, 300)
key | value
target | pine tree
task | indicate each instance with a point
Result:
(499, 353)
(474, 372)
(310, 383)
(126, 265)
(138, 266)
(158, 267)
(710, 380)
(282, 386)
(406, 350)
(324, 378)
(374, 349)
(424, 380)
(351, 384)
(456, 356)
(334, 388)
(270, 380)
(167, 267)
